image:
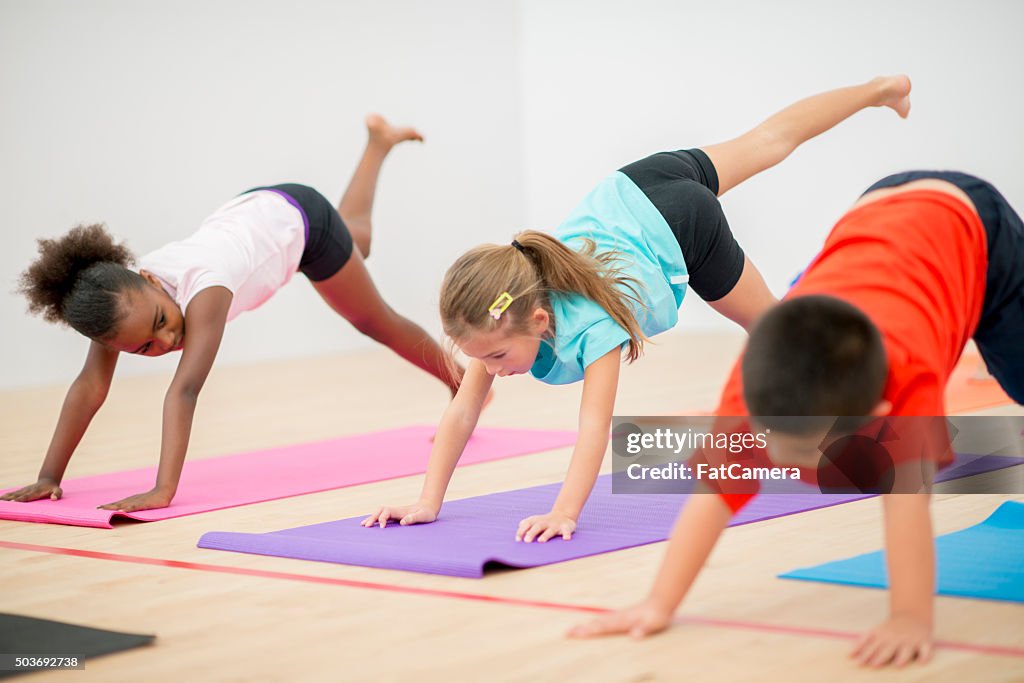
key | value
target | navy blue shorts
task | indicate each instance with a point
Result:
(1000, 333)
(328, 241)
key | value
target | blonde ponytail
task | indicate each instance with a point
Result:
(538, 265)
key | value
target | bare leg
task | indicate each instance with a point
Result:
(356, 205)
(352, 294)
(745, 303)
(774, 139)
(771, 142)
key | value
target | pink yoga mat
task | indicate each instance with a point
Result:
(257, 476)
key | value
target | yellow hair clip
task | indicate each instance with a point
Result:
(500, 304)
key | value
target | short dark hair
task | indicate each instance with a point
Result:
(813, 356)
(78, 280)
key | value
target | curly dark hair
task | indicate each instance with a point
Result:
(78, 278)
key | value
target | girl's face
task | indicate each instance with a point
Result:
(508, 354)
(154, 324)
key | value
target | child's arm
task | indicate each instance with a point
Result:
(204, 327)
(695, 533)
(910, 553)
(600, 381)
(84, 398)
(457, 425)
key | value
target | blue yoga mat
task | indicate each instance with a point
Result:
(982, 561)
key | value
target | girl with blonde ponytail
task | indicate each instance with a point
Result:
(565, 307)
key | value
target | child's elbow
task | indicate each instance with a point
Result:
(187, 392)
(90, 395)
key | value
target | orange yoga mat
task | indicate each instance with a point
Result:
(967, 393)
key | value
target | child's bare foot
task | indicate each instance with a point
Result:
(895, 93)
(384, 134)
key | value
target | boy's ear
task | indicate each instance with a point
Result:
(881, 409)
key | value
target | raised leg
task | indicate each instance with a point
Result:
(356, 205)
(775, 139)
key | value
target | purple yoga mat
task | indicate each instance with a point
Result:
(475, 533)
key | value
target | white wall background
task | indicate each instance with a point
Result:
(147, 115)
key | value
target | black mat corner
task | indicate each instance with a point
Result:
(20, 635)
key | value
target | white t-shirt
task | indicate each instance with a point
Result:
(252, 246)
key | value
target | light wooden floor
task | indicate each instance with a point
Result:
(229, 627)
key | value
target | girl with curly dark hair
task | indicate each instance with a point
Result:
(184, 293)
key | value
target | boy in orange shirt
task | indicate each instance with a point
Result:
(923, 262)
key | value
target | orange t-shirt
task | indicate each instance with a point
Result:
(915, 264)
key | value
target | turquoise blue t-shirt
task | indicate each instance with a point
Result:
(618, 217)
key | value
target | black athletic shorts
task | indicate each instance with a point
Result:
(1000, 333)
(328, 241)
(683, 186)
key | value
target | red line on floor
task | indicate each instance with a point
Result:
(1002, 650)
(999, 650)
(288, 576)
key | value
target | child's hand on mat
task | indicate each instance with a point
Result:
(44, 488)
(898, 641)
(644, 619)
(545, 527)
(150, 500)
(417, 513)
